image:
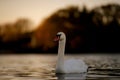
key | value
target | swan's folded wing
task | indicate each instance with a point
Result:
(75, 66)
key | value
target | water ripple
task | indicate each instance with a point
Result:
(42, 67)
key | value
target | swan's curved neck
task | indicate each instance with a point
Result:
(61, 50)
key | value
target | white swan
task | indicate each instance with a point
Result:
(68, 66)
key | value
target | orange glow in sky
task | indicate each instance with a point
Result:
(37, 10)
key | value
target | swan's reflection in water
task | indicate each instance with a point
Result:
(71, 76)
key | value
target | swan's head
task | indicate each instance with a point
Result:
(60, 36)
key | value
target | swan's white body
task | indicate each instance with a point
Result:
(68, 66)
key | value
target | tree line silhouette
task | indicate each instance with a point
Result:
(87, 31)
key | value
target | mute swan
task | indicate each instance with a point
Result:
(68, 66)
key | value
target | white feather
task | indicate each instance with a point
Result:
(74, 66)
(68, 66)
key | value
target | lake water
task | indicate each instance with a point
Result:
(42, 67)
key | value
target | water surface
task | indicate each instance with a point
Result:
(42, 67)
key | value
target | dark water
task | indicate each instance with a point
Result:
(42, 67)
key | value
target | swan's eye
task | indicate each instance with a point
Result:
(58, 35)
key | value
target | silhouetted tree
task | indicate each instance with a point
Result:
(16, 36)
(87, 31)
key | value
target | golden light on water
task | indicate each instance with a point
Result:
(42, 67)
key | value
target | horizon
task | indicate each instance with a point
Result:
(11, 10)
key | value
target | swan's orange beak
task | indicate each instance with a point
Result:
(57, 38)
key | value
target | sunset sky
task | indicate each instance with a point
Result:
(37, 10)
